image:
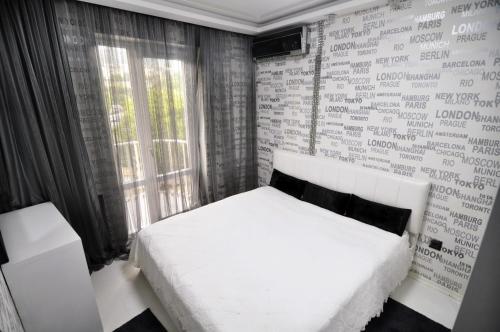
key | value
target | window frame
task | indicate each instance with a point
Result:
(138, 86)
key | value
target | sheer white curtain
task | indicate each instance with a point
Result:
(167, 110)
(135, 76)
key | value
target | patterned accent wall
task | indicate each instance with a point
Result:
(284, 96)
(411, 89)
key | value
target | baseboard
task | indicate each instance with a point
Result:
(428, 301)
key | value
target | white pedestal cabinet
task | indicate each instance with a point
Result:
(47, 273)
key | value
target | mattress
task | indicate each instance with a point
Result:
(265, 261)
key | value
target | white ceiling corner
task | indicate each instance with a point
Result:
(244, 16)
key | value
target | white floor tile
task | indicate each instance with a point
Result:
(122, 292)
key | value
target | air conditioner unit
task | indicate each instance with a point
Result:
(292, 41)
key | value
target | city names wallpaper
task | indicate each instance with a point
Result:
(413, 89)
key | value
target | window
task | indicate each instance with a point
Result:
(145, 100)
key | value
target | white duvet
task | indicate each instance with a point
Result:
(265, 261)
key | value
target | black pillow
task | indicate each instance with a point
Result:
(287, 184)
(332, 200)
(388, 218)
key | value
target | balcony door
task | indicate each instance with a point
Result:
(145, 98)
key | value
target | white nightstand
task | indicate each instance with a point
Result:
(47, 273)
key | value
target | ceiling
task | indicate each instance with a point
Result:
(245, 16)
(254, 11)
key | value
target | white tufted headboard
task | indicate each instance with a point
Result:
(370, 184)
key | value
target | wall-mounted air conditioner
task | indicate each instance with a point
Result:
(292, 41)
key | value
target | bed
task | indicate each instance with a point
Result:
(266, 261)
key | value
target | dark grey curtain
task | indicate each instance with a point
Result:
(116, 116)
(42, 151)
(227, 105)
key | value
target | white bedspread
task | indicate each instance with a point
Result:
(265, 261)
